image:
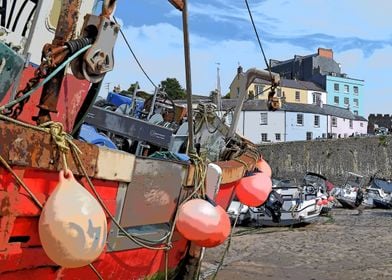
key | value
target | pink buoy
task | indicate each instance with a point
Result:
(264, 167)
(221, 232)
(72, 226)
(325, 201)
(319, 202)
(254, 190)
(331, 198)
(197, 219)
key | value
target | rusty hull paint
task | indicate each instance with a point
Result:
(65, 31)
(232, 170)
(27, 147)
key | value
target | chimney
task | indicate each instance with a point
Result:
(328, 53)
(239, 70)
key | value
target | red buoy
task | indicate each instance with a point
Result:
(320, 202)
(254, 190)
(203, 223)
(264, 167)
(331, 198)
(221, 233)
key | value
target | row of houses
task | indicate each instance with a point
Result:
(294, 121)
(309, 80)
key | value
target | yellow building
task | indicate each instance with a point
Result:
(293, 91)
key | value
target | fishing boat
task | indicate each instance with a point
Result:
(139, 195)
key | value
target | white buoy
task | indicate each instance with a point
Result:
(72, 225)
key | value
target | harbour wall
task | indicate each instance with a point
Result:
(331, 158)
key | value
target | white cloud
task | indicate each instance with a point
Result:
(365, 19)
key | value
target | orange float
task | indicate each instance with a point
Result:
(205, 224)
(264, 167)
(254, 190)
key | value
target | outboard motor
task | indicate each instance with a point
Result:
(273, 205)
(359, 198)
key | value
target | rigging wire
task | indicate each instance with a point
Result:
(134, 55)
(258, 39)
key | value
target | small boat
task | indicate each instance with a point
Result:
(288, 204)
(351, 194)
(379, 191)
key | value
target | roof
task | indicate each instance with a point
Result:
(261, 105)
(293, 84)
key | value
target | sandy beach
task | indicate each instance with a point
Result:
(350, 244)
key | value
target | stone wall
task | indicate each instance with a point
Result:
(331, 158)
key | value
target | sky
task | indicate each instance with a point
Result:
(358, 31)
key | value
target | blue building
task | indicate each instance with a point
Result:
(321, 68)
(345, 92)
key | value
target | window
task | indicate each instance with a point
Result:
(283, 94)
(300, 119)
(324, 135)
(279, 92)
(317, 121)
(297, 96)
(258, 90)
(355, 102)
(316, 98)
(238, 92)
(346, 88)
(351, 123)
(334, 122)
(346, 101)
(264, 137)
(263, 118)
(336, 87)
(356, 91)
(309, 135)
(336, 100)
(277, 136)
(355, 112)
(361, 124)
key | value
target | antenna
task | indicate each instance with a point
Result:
(218, 87)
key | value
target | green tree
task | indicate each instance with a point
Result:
(173, 88)
(132, 87)
(227, 96)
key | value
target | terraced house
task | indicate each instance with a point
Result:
(321, 68)
(295, 121)
(293, 91)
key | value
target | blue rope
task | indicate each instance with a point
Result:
(47, 79)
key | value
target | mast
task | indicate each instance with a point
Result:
(218, 89)
(188, 74)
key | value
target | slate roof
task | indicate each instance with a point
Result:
(293, 84)
(261, 105)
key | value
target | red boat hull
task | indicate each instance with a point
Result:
(21, 254)
(73, 92)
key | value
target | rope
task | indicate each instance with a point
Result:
(20, 182)
(228, 243)
(134, 55)
(243, 163)
(258, 39)
(49, 77)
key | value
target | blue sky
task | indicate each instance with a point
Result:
(359, 32)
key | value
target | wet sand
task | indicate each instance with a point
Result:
(351, 244)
